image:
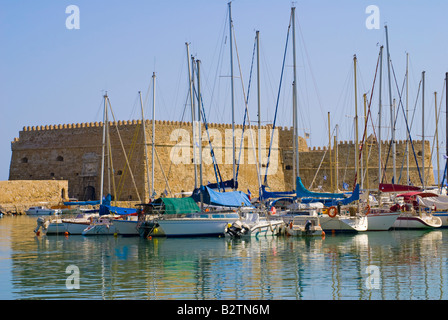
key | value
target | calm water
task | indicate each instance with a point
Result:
(376, 265)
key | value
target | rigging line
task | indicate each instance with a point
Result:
(219, 64)
(311, 71)
(365, 124)
(436, 133)
(412, 121)
(212, 152)
(246, 111)
(407, 127)
(322, 160)
(395, 120)
(125, 156)
(276, 107)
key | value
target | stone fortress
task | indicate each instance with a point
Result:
(73, 153)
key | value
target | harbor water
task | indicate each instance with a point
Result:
(383, 265)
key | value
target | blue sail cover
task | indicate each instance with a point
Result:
(302, 192)
(306, 196)
(226, 199)
(106, 208)
(268, 195)
(335, 201)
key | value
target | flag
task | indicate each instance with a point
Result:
(249, 194)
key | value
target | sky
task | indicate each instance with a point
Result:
(53, 71)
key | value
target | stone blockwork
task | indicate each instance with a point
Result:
(73, 152)
(19, 195)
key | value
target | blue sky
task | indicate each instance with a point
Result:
(53, 75)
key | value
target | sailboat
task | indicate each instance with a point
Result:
(196, 221)
(300, 194)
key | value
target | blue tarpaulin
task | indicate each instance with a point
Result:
(226, 199)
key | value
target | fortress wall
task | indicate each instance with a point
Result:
(73, 152)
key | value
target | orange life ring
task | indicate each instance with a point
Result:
(332, 211)
(367, 210)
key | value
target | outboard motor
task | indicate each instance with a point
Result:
(41, 223)
(237, 229)
(308, 225)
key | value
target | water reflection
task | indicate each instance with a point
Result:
(411, 265)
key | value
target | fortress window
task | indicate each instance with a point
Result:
(59, 158)
(52, 174)
(288, 167)
(24, 160)
(119, 173)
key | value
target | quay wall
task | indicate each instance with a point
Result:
(17, 196)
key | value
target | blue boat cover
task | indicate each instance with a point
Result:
(106, 208)
(106, 200)
(226, 199)
(302, 192)
(307, 196)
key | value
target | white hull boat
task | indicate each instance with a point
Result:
(303, 226)
(102, 226)
(410, 220)
(211, 224)
(42, 211)
(127, 227)
(443, 215)
(254, 226)
(73, 226)
(344, 224)
(381, 220)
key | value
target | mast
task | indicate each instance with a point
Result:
(145, 146)
(366, 175)
(233, 98)
(200, 135)
(437, 139)
(336, 156)
(102, 148)
(295, 134)
(190, 85)
(380, 178)
(407, 116)
(329, 149)
(446, 114)
(259, 106)
(392, 115)
(356, 123)
(423, 128)
(153, 128)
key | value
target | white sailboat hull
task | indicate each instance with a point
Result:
(443, 215)
(99, 229)
(409, 221)
(126, 227)
(341, 224)
(204, 225)
(381, 221)
(73, 228)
